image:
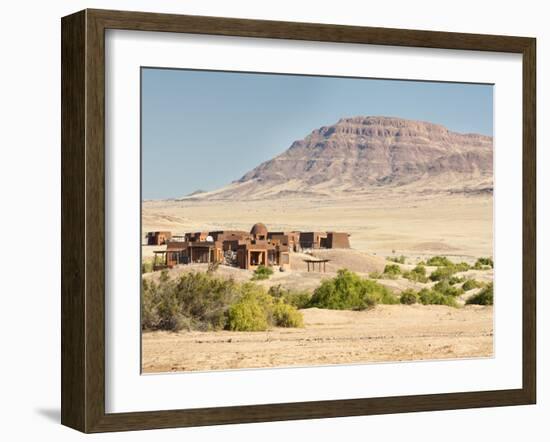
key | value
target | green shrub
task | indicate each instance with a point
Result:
(194, 301)
(206, 298)
(408, 297)
(262, 272)
(376, 275)
(253, 310)
(349, 291)
(247, 315)
(484, 263)
(428, 297)
(149, 300)
(146, 266)
(439, 261)
(417, 274)
(445, 287)
(202, 301)
(470, 284)
(462, 266)
(392, 269)
(296, 298)
(442, 273)
(277, 291)
(456, 280)
(285, 315)
(398, 259)
(382, 296)
(484, 297)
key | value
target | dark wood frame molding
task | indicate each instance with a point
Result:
(83, 216)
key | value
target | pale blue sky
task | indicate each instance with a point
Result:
(202, 129)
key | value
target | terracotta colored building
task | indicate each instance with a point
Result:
(324, 240)
(158, 238)
(246, 250)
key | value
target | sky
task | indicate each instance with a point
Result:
(205, 129)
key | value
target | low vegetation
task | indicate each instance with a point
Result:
(442, 273)
(470, 284)
(297, 298)
(417, 274)
(439, 261)
(429, 297)
(447, 288)
(398, 259)
(146, 266)
(203, 301)
(408, 297)
(262, 272)
(484, 297)
(285, 315)
(391, 271)
(484, 264)
(348, 291)
(252, 312)
(456, 280)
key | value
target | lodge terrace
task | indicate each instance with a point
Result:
(245, 250)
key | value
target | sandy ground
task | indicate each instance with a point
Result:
(386, 333)
(400, 222)
(415, 225)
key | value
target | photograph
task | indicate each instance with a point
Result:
(304, 220)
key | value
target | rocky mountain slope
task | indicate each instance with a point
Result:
(362, 154)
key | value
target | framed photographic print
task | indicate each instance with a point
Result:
(268, 220)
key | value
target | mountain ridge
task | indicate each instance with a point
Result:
(363, 153)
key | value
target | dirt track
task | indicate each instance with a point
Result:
(386, 333)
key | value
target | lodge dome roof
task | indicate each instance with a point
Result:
(259, 229)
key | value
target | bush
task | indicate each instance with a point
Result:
(376, 275)
(484, 297)
(348, 291)
(445, 287)
(392, 269)
(417, 274)
(462, 266)
(149, 312)
(456, 280)
(146, 266)
(296, 298)
(262, 272)
(206, 298)
(398, 259)
(470, 284)
(408, 297)
(439, 261)
(253, 310)
(442, 273)
(202, 301)
(285, 315)
(428, 297)
(247, 315)
(484, 263)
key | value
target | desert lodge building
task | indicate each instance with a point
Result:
(237, 248)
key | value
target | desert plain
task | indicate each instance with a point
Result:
(383, 224)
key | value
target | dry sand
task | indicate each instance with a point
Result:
(401, 221)
(386, 333)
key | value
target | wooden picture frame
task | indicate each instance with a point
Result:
(83, 220)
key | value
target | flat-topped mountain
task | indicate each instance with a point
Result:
(360, 154)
